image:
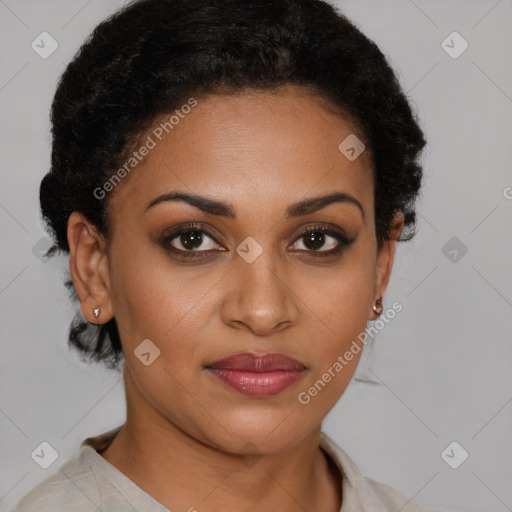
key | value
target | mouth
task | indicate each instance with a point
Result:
(257, 376)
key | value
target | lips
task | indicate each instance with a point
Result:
(257, 376)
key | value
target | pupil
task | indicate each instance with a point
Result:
(189, 238)
(316, 239)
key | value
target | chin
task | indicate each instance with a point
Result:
(265, 431)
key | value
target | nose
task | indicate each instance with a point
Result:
(259, 299)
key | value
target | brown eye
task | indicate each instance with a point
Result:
(322, 240)
(315, 240)
(192, 238)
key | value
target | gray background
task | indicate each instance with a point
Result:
(443, 364)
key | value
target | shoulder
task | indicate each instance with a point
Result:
(364, 494)
(390, 499)
(74, 483)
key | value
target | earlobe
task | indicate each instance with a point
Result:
(88, 265)
(377, 307)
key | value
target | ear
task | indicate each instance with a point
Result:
(385, 258)
(88, 265)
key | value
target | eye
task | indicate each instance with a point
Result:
(196, 240)
(189, 239)
(317, 237)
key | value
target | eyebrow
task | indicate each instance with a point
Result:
(218, 208)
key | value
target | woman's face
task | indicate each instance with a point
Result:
(254, 281)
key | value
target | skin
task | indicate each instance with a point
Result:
(186, 432)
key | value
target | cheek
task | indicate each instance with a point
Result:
(341, 307)
(153, 301)
(341, 298)
(156, 300)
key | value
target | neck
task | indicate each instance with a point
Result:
(183, 473)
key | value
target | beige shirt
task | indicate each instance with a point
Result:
(88, 483)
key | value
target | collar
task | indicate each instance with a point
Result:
(358, 496)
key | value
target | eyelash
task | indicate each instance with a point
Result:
(343, 241)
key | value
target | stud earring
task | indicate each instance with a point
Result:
(96, 312)
(377, 307)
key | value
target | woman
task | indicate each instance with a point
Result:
(231, 179)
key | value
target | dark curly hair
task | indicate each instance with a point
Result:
(151, 56)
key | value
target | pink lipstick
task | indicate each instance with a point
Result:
(257, 376)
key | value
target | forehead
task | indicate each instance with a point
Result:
(254, 147)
